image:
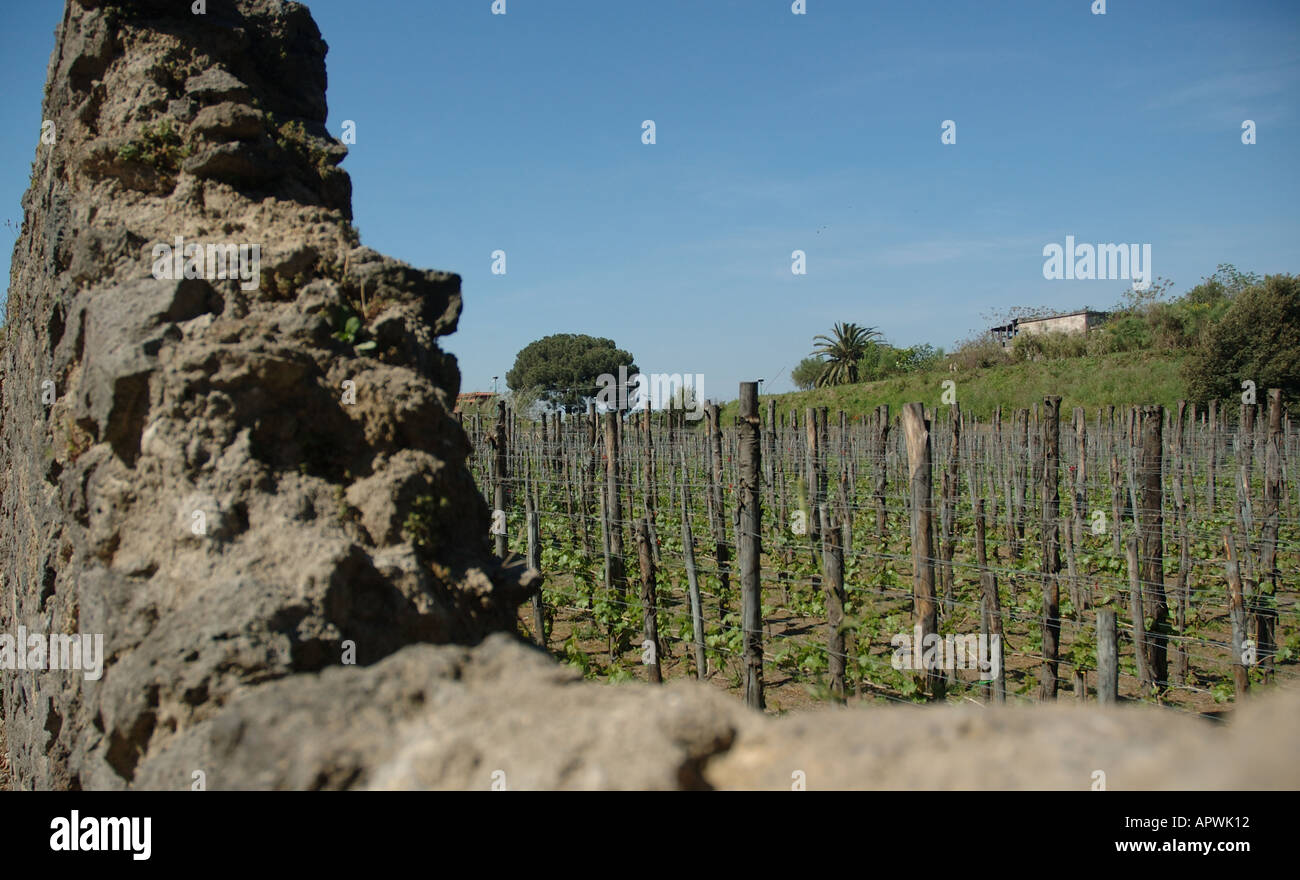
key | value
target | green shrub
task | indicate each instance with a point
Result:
(424, 520)
(293, 138)
(1221, 287)
(979, 351)
(805, 375)
(158, 145)
(1048, 346)
(918, 358)
(1258, 339)
(1123, 332)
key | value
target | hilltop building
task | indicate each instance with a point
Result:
(1079, 322)
(474, 398)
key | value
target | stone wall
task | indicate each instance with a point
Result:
(181, 473)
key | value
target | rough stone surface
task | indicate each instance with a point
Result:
(445, 717)
(326, 523)
(319, 522)
(1026, 748)
(448, 717)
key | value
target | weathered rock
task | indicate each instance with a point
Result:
(229, 121)
(444, 717)
(216, 85)
(234, 163)
(1028, 747)
(198, 492)
(182, 108)
(440, 717)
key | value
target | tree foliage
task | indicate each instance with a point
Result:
(564, 369)
(879, 360)
(883, 360)
(1226, 282)
(841, 351)
(1258, 339)
(806, 374)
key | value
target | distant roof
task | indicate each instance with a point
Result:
(1015, 322)
(1061, 315)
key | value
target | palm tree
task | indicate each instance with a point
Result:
(842, 350)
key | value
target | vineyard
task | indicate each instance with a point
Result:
(1133, 553)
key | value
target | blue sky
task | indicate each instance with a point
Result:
(778, 132)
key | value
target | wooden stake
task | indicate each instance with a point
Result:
(1051, 564)
(917, 431)
(1151, 531)
(499, 468)
(535, 563)
(692, 582)
(749, 508)
(990, 611)
(649, 611)
(1107, 657)
(1237, 613)
(833, 588)
(1135, 613)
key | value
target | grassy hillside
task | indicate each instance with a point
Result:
(1090, 382)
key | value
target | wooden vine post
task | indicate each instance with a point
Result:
(617, 577)
(1151, 533)
(1051, 548)
(1181, 591)
(649, 606)
(717, 519)
(948, 513)
(535, 563)
(1237, 614)
(916, 429)
(833, 588)
(1265, 604)
(879, 458)
(692, 581)
(1136, 617)
(749, 502)
(990, 610)
(1107, 658)
(499, 474)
